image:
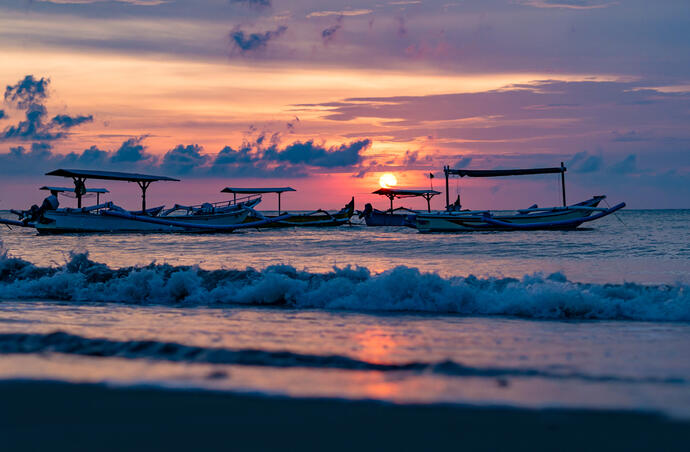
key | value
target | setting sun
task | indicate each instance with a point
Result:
(388, 180)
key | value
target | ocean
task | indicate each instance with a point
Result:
(592, 319)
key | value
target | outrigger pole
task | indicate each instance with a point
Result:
(507, 172)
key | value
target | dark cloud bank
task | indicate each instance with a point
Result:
(252, 159)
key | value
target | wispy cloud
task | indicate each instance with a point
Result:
(87, 2)
(246, 43)
(346, 12)
(255, 4)
(570, 4)
(328, 34)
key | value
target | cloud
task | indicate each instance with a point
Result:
(252, 159)
(313, 154)
(2, 114)
(463, 162)
(329, 33)
(626, 166)
(184, 159)
(347, 12)
(583, 162)
(256, 4)
(402, 29)
(570, 4)
(88, 2)
(29, 94)
(246, 43)
(66, 121)
(132, 150)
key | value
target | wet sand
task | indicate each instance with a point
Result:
(63, 416)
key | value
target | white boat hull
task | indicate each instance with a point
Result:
(465, 221)
(60, 222)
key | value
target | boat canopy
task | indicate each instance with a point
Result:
(504, 172)
(405, 193)
(252, 191)
(108, 175)
(79, 176)
(393, 193)
(71, 190)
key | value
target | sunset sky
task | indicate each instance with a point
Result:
(327, 96)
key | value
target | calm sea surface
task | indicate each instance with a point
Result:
(593, 318)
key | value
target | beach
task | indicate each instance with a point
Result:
(74, 417)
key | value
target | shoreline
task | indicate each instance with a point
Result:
(48, 415)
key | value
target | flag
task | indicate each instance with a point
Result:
(431, 175)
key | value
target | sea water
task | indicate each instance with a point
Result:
(593, 318)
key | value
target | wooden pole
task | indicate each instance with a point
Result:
(445, 170)
(563, 183)
(143, 186)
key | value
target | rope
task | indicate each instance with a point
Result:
(616, 215)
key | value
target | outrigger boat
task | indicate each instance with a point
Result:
(317, 218)
(533, 218)
(399, 216)
(108, 217)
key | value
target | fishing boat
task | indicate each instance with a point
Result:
(108, 217)
(399, 216)
(533, 218)
(317, 218)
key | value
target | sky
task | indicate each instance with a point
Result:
(327, 96)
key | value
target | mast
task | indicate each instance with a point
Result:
(445, 171)
(563, 183)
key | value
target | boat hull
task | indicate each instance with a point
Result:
(65, 222)
(389, 219)
(319, 218)
(558, 218)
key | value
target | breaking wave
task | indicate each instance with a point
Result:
(60, 342)
(401, 289)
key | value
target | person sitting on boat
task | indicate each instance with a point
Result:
(368, 209)
(456, 206)
(51, 202)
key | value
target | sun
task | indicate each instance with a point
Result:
(388, 180)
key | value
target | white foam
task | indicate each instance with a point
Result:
(351, 288)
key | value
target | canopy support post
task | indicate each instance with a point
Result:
(234, 198)
(143, 185)
(563, 183)
(79, 189)
(391, 197)
(278, 203)
(428, 202)
(445, 171)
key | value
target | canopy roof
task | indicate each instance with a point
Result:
(249, 191)
(108, 175)
(65, 189)
(405, 193)
(504, 172)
